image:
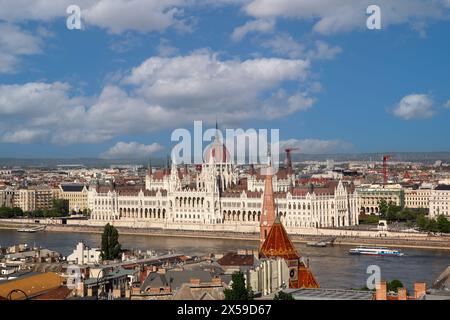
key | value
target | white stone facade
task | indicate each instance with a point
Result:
(440, 201)
(84, 255)
(211, 197)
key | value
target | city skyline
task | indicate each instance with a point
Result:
(121, 85)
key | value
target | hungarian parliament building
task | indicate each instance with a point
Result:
(215, 196)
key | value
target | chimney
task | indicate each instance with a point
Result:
(143, 276)
(161, 271)
(217, 281)
(402, 294)
(381, 293)
(420, 288)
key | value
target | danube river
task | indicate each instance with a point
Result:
(333, 267)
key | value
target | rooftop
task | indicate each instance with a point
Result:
(235, 259)
(329, 294)
(72, 187)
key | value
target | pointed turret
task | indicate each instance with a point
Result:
(149, 168)
(275, 241)
(167, 165)
(268, 213)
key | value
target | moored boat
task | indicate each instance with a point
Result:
(320, 244)
(28, 229)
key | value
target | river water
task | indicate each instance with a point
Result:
(332, 266)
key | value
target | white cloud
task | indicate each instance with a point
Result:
(333, 16)
(280, 104)
(323, 51)
(37, 10)
(200, 83)
(260, 25)
(160, 93)
(329, 16)
(116, 16)
(447, 105)
(414, 106)
(24, 136)
(131, 150)
(15, 43)
(286, 45)
(316, 146)
(165, 49)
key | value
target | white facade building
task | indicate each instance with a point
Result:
(213, 197)
(440, 201)
(84, 255)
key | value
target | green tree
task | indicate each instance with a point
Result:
(383, 208)
(368, 219)
(421, 221)
(431, 225)
(283, 296)
(59, 208)
(110, 248)
(17, 212)
(238, 290)
(6, 213)
(443, 225)
(394, 285)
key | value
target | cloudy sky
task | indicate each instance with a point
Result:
(138, 69)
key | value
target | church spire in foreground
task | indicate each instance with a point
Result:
(275, 241)
(268, 213)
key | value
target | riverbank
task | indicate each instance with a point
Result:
(431, 242)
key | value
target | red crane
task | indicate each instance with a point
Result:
(289, 159)
(385, 168)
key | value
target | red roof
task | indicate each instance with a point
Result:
(278, 243)
(234, 259)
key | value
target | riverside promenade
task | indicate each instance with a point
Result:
(342, 236)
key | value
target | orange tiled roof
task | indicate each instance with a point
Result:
(31, 285)
(278, 243)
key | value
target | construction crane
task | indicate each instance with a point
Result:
(385, 168)
(289, 159)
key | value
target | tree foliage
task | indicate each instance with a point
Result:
(383, 207)
(110, 248)
(368, 219)
(441, 224)
(393, 285)
(238, 290)
(8, 213)
(283, 296)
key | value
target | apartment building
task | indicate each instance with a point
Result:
(418, 197)
(440, 201)
(33, 198)
(75, 194)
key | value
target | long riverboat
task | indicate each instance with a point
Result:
(376, 251)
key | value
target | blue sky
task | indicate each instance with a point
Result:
(140, 69)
